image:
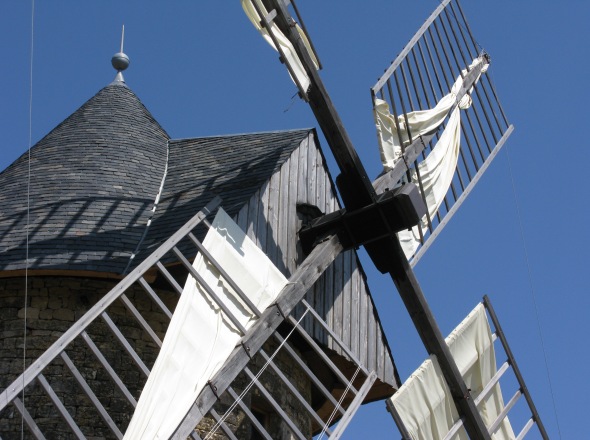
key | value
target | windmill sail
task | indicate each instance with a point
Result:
(423, 407)
(201, 336)
(261, 19)
(437, 96)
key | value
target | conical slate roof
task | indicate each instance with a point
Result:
(94, 179)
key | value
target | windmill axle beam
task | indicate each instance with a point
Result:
(392, 212)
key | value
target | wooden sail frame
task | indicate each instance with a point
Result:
(421, 74)
(58, 350)
(510, 364)
(222, 386)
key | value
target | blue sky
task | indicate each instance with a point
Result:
(201, 69)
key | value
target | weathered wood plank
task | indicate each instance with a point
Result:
(333, 275)
(371, 337)
(389, 373)
(241, 218)
(272, 218)
(326, 299)
(312, 197)
(335, 317)
(284, 234)
(317, 301)
(302, 176)
(357, 291)
(312, 153)
(262, 218)
(252, 229)
(322, 182)
(363, 334)
(379, 348)
(291, 213)
(346, 330)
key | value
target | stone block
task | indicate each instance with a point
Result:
(30, 312)
(39, 302)
(46, 314)
(63, 315)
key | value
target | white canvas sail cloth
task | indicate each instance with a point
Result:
(436, 174)
(424, 401)
(286, 46)
(200, 338)
(420, 122)
(437, 170)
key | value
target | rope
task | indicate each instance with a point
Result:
(251, 384)
(532, 290)
(291, 103)
(329, 421)
(22, 428)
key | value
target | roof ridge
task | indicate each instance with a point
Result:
(291, 130)
(154, 209)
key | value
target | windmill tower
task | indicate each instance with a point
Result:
(332, 353)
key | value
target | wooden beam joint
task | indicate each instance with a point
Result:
(393, 211)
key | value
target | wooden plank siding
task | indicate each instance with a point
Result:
(341, 295)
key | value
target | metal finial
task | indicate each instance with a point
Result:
(120, 60)
(122, 37)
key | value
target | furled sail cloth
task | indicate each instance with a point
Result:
(419, 123)
(200, 337)
(436, 174)
(424, 402)
(286, 46)
(437, 170)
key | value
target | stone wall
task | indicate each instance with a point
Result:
(54, 304)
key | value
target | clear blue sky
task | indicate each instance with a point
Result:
(201, 69)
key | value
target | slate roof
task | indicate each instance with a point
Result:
(93, 181)
(95, 177)
(233, 167)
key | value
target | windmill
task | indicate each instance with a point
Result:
(324, 239)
